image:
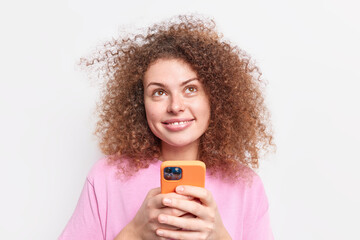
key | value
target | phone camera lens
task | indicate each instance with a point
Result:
(172, 173)
(177, 171)
(168, 176)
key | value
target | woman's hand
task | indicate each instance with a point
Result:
(145, 222)
(207, 225)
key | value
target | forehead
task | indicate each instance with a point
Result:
(168, 71)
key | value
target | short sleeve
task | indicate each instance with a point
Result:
(257, 225)
(85, 222)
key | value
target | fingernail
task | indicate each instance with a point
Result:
(180, 189)
(167, 201)
(159, 232)
(162, 219)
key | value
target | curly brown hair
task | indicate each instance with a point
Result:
(239, 130)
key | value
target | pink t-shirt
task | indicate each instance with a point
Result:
(108, 203)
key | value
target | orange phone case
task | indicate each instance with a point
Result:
(193, 173)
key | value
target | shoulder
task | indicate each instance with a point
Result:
(110, 170)
(253, 181)
(248, 187)
(256, 190)
(100, 168)
(252, 184)
(245, 177)
(105, 171)
(255, 197)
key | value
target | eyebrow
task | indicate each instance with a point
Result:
(182, 84)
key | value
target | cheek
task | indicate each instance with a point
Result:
(152, 117)
(201, 109)
(147, 111)
(204, 108)
(152, 112)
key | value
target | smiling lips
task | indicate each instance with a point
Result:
(177, 124)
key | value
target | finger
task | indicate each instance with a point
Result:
(190, 224)
(203, 194)
(164, 225)
(180, 196)
(172, 211)
(180, 234)
(153, 192)
(188, 215)
(168, 227)
(156, 201)
(155, 198)
(171, 227)
(188, 206)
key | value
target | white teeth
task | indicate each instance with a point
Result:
(178, 123)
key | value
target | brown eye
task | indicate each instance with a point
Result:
(191, 89)
(159, 93)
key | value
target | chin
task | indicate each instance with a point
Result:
(181, 143)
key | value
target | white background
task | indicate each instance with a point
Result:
(308, 51)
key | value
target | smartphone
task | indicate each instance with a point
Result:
(175, 173)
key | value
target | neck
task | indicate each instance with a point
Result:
(188, 152)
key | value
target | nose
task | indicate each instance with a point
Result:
(176, 104)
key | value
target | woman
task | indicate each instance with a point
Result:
(178, 92)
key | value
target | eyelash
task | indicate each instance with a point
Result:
(193, 87)
(157, 91)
